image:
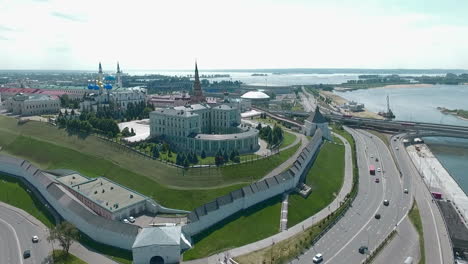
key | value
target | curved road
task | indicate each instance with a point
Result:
(437, 245)
(358, 227)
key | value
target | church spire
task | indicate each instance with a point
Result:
(118, 67)
(100, 67)
(197, 79)
(197, 95)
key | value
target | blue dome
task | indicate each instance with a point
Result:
(109, 78)
(96, 87)
(90, 86)
(107, 86)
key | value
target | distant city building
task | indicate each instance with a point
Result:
(26, 105)
(254, 98)
(203, 127)
(102, 93)
(315, 121)
(354, 106)
(7, 92)
(169, 100)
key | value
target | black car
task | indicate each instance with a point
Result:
(363, 250)
(26, 254)
(377, 216)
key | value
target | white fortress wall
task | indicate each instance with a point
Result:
(98, 228)
(214, 212)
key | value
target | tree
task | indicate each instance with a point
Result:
(225, 156)
(155, 152)
(259, 127)
(203, 154)
(132, 132)
(65, 233)
(126, 132)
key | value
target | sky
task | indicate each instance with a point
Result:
(240, 34)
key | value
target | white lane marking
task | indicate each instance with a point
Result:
(437, 231)
(17, 240)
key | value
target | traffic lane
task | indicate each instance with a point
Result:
(437, 244)
(363, 210)
(25, 230)
(9, 250)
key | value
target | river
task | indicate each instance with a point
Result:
(420, 104)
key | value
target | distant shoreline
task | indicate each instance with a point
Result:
(392, 86)
(455, 112)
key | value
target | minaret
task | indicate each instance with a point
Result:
(197, 95)
(119, 77)
(100, 78)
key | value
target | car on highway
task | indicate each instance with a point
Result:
(377, 159)
(131, 219)
(379, 169)
(35, 239)
(377, 216)
(386, 202)
(317, 258)
(405, 190)
(27, 254)
(371, 156)
(363, 250)
(377, 180)
(396, 148)
(126, 221)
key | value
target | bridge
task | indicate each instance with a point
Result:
(421, 129)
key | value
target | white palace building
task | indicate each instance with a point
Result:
(201, 127)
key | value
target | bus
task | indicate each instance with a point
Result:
(371, 169)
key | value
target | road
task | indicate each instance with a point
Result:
(308, 101)
(437, 245)
(16, 232)
(359, 227)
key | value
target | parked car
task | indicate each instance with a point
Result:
(35, 239)
(318, 258)
(125, 221)
(386, 202)
(27, 254)
(131, 219)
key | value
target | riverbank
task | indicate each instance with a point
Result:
(338, 100)
(438, 179)
(458, 113)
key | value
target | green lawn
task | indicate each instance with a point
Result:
(61, 258)
(325, 178)
(288, 139)
(13, 192)
(253, 224)
(416, 220)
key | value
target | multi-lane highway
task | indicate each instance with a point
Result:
(359, 227)
(438, 248)
(16, 231)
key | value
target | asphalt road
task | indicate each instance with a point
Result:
(16, 233)
(359, 227)
(438, 248)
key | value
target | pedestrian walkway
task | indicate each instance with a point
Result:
(322, 214)
(284, 213)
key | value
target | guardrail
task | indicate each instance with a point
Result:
(370, 257)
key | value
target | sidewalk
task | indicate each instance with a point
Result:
(347, 185)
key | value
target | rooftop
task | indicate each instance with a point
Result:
(255, 95)
(163, 235)
(102, 191)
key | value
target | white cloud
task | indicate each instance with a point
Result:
(222, 34)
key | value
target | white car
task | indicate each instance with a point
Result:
(396, 148)
(126, 221)
(379, 170)
(318, 258)
(35, 239)
(131, 219)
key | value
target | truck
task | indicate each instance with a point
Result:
(371, 170)
(437, 195)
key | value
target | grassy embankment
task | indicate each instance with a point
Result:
(15, 193)
(325, 177)
(415, 218)
(61, 258)
(244, 227)
(285, 250)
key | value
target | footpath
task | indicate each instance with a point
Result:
(333, 206)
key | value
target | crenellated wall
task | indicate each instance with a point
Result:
(215, 211)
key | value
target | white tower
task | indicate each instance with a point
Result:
(119, 77)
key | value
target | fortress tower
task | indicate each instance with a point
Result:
(119, 76)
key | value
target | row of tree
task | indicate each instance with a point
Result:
(185, 160)
(222, 157)
(88, 122)
(271, 136)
